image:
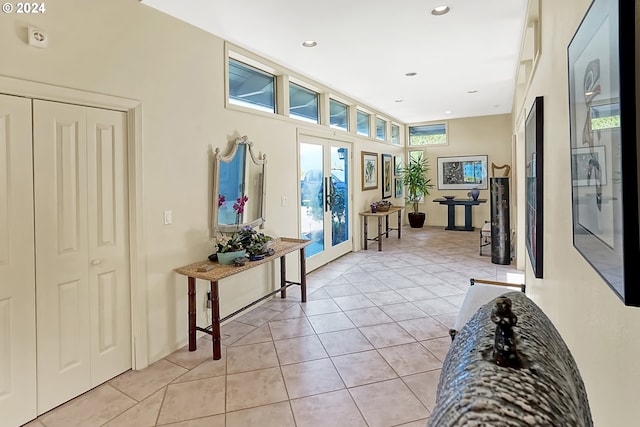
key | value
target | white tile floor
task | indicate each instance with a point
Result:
(365, 350)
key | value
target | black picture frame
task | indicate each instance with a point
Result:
(387, 174)
(534, 191)
(602, 112)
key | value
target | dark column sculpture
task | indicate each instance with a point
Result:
(500, 227)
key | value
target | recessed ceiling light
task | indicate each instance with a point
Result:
(411, 74)
(309, 43)
(398, 100)
(448, 112)
(440, 10)
(472, 91)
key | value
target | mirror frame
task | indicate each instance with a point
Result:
(260, 160)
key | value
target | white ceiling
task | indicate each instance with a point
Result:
(365, 48)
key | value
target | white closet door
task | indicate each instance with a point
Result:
(17, 278)
(62, 271)
(83, 316)
(109, 285)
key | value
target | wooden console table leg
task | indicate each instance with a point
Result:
(386, 222)
(366, 235)
(303, 275)
(283, 276)
(215, 320)
(191, 296)
(399, 223)
(380, 233)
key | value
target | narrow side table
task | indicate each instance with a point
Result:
(380, 215)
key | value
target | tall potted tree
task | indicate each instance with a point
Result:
(418, 185)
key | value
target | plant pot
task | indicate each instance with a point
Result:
(416, 220)
(226, 258)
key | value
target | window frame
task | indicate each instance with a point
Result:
(384, 122)
(303, 88)
(347, 114)
(360, 111)
(429, 124)
(251, 66)
(398, 140)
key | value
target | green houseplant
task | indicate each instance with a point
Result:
(418, 185)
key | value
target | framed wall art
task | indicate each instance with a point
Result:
(602, 120)
(387, 176)
(399, 188)
(369, 171)
(462, 173)
(533, 147)
(397, 168)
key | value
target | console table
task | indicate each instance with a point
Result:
(366, 214)
(213, 272)
(451, 213)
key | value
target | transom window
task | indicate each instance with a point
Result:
(303, 103)
(395, 134)
(433, 134)
(251, 87)
(338, 115)
(381, 129)
(363, 123)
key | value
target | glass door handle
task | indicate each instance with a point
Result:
(327, 194)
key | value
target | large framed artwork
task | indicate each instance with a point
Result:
(602, 115)
(462, 173)
(369, 171)
(387, 175)
(533, 147)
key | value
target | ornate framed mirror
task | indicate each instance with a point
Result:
(239, 188)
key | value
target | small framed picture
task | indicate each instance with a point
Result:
(369, 171)
(387, 170)
(397, 168)
(399, 187)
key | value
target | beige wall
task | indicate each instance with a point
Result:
(490, 135)
(601, 332)
(123, 48)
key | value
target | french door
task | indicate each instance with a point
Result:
(325, 198)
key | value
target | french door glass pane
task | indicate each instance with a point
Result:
(311, 196)
(339, 192)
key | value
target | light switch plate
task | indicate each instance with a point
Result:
(168, 217)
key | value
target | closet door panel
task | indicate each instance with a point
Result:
(109, 284)
(62, 271)
(17, 277)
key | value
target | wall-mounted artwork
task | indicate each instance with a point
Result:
(533, 145)
(387, 176)
(397, 169)
(604, 144)
(462, 173)
(369, 171)
(399, 188)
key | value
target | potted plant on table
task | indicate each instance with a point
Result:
(245, 242)
(418, 185)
